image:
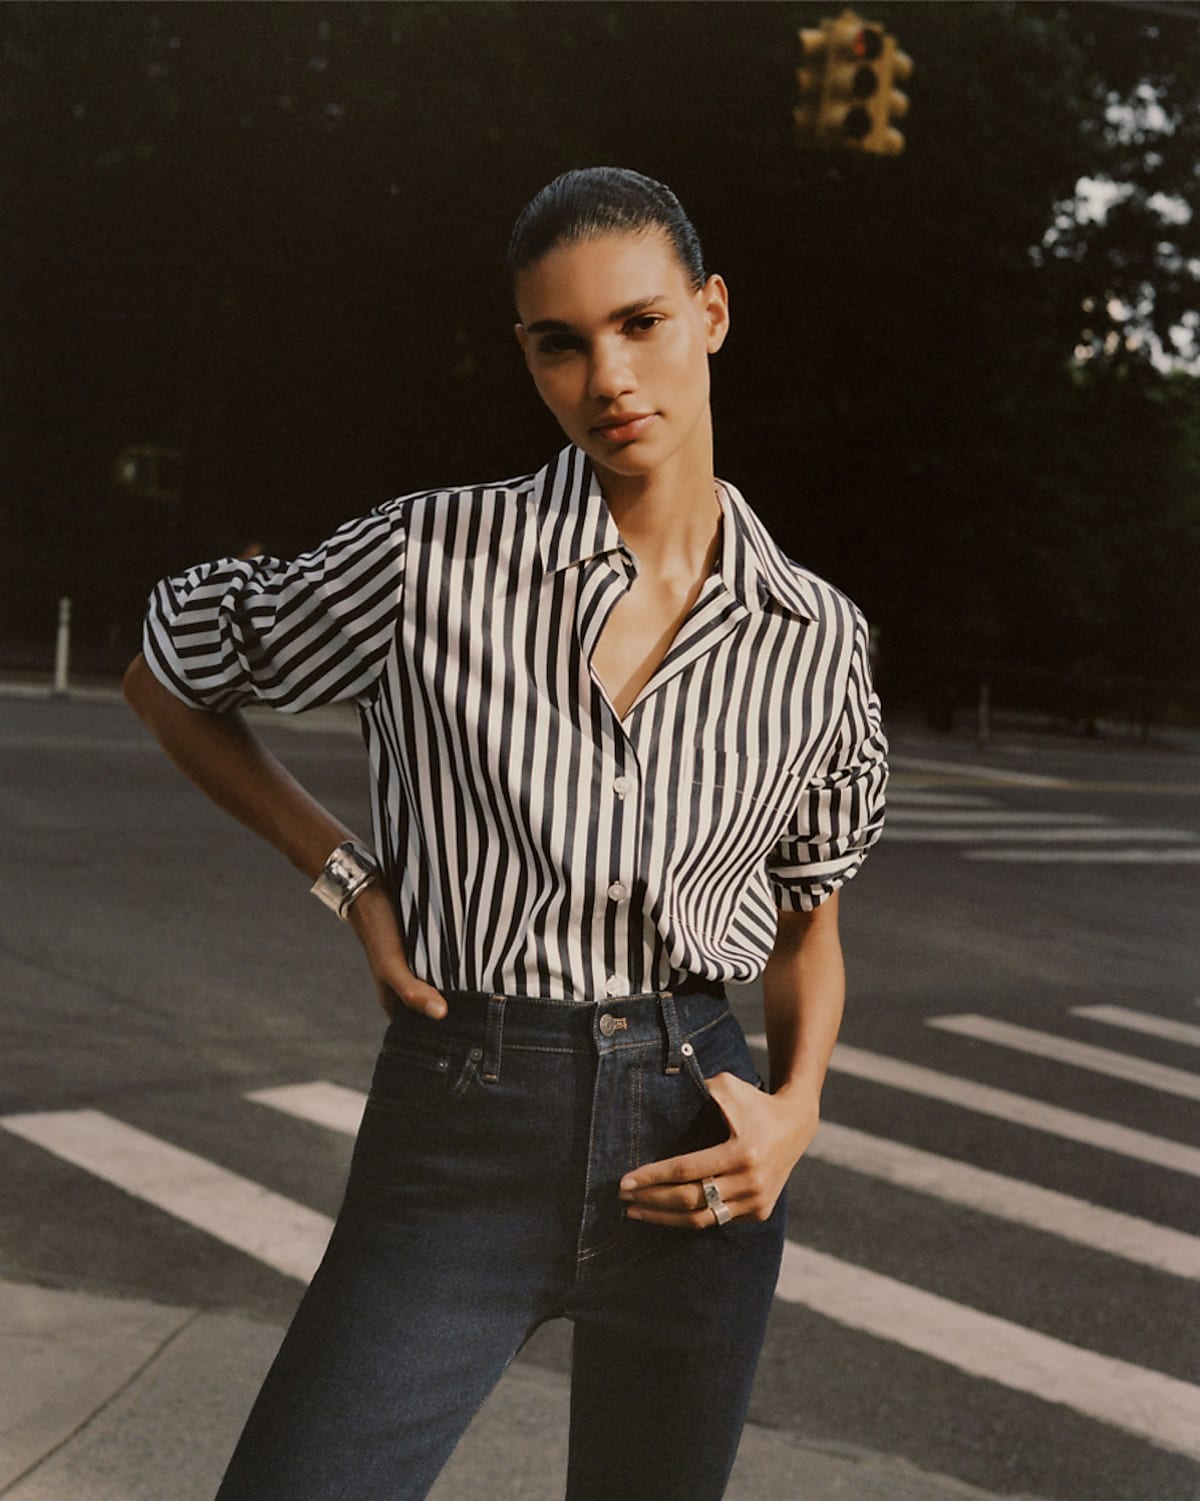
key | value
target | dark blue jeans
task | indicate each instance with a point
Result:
(482, 1201)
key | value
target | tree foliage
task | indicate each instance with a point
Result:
(272, 236)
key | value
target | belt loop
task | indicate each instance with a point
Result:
(670, 1018)
(491, 1045)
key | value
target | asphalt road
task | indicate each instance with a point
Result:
(157, 965)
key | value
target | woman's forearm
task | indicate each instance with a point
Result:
(233, 768)
(804, 992)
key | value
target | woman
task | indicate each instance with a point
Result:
(623, 751)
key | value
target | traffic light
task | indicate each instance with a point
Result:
(810, 82)
(846, 86)
(886, 102)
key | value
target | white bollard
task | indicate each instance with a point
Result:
(62, 654)
(983, 716)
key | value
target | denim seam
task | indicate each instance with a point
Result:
(635, 1136)
(593, 1251)
(697, 1075)
(435, 1062)
(519, 1047)
(581, 1253)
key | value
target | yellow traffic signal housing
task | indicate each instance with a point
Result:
(810, 81)
(846, 87)
(851, 82)
(888, 103)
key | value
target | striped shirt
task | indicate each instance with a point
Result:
(535, 842)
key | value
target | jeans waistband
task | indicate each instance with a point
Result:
(496, 1022)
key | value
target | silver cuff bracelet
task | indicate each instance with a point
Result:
(347, 872)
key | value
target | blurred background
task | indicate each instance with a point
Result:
(252, 284)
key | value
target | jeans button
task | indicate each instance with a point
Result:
(608, 1024)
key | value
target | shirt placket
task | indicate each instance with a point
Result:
(617, 879)
(621, 884)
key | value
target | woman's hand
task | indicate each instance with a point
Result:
(768, 1134)
(373, 919)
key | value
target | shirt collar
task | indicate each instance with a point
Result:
(754, 567)
(574, 520)
(576, 524)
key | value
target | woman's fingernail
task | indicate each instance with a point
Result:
(435, 1009)
(627, 1184)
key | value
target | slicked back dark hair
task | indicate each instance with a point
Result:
(593, 201)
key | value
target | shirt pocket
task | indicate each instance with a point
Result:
(731, 811)
(756, 782)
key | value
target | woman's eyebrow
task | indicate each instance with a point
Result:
(618, 315)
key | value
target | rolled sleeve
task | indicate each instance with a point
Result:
(840, 813)
(288, 634)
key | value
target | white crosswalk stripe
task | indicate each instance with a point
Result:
(1156, 1407)
(325, 1104)
(1141, 1021)
(982, 818)
(986, 832)
(1048, 831)
(1123, 1235)
(1017, 1109)
(1066, 1050)
(998, 775)
(912, 797)
(1174, 855)
(265, 1225)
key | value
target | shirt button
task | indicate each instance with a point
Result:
(615, 985)
(622, 785)
(617, 892)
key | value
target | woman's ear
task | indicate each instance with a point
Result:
(714, 295)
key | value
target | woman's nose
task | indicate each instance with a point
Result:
(611, 375)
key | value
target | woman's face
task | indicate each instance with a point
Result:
(617, 342)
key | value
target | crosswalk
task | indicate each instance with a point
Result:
(1156, 1407)
(274, 1230)
(983, 829)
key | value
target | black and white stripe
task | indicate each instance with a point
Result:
(537, 844)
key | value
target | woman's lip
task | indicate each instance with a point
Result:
(626, 430)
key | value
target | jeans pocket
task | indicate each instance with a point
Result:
(415, 1109)
(719, 1048)
(692, 1064)
(415, 1076)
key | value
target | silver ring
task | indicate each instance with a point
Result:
(714, 1201)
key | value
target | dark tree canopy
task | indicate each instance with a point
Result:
(272, 237)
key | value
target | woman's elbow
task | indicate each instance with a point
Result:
(137, 683)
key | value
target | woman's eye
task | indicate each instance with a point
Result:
(645, 323)
(556, 344)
